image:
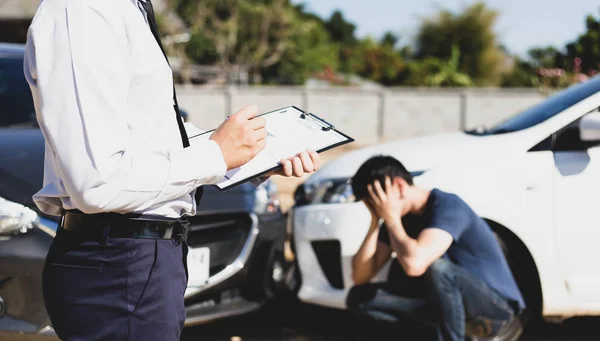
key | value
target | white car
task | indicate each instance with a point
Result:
(534, 178)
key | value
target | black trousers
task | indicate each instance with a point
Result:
(115, 288)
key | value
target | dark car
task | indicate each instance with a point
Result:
(241, 230)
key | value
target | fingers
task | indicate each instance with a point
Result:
(260, 134)
(316, 160)
(372, 195)
(379, 190)
(369, 204)
(388, 185)
(307, 164)
(287, 167)
(257, 123)
(260, 145)
(298, 166)
(298, 170)
(247, 112)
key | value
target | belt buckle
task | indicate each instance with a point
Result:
(180, 235)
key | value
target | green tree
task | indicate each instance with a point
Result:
(377, 62)
(341, 30)
(390, 39)
(448, 73)
(472, 31)
(544, 56)
(586, 47)
(201, 49)
(523, 74)
(436, 72)
(311, 51)
(253, 34)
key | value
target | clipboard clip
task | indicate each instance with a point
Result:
(325, 126)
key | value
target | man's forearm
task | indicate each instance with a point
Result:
(405, 246)
(362, 262)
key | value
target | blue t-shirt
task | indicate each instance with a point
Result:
(474, 246)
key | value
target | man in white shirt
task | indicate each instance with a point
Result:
(120, 170)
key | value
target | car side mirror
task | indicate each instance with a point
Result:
(589, 127)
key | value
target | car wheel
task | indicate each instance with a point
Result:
(279, 277)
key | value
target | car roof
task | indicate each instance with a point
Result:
(11, 50)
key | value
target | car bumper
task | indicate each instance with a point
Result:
(326, 237)
(246, 248)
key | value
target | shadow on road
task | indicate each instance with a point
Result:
(288, 320)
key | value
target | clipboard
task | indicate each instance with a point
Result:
(318, 132)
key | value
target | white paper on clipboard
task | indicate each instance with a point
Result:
(289, 132)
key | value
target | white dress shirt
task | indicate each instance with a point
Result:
(103, 94)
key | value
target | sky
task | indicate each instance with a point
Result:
(522, 24)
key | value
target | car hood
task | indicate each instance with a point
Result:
(417, 154)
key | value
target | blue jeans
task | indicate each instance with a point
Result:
(457, 304)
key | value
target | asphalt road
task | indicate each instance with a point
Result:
(288, 320)
(292, 321)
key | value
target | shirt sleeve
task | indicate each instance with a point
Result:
(78, 58)
(450, 215)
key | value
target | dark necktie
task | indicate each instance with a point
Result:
(147, 5)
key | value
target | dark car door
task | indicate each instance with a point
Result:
(21, 142)
(16, 104)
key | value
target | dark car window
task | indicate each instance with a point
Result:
(546, 109)
(16, 104)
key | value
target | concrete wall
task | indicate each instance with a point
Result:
(370, 116)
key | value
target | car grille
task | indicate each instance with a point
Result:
(224, 234)
(329, 256)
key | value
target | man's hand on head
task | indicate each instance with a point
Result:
(387, 203)
(371, 207)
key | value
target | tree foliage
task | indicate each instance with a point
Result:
(473, 32)
(522, 74)
(380, 63)
(311, 51)
(341, 30)
(282, 43)
(586, 47)
(264, 37)
(436, 72)
(549, 67)
(390, 39)
(254, 34)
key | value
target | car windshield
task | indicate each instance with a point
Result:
(544, 110)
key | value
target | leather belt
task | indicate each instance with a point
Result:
(116, 225)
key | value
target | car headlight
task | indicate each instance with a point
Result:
(331, 191)
(16, 218)
(267, 198)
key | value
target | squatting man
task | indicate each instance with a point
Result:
(449, 271)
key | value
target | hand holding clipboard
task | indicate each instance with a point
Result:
(289, 132)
